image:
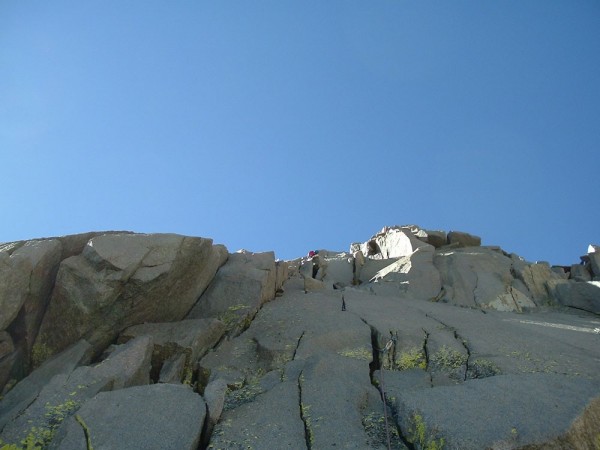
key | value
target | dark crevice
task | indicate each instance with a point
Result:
(375, 363)
(308, 436)
(206, 432)
(298, 345)
(460, 339)
(475, 289)
(393, 415)
(425, 351)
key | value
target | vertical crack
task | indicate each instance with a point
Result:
(510, 290)
(298, 345)
(425, 351)
(460, 339)
(465, 344)
(304, 415)
(475, 289)
(376, 362)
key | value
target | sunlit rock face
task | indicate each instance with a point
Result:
(241, 350)
(123, 280)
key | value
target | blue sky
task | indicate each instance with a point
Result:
(285, 126)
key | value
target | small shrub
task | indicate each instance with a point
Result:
(447, 358)
(414, 358)
(40, 352)
(482, 368)
(421, 437)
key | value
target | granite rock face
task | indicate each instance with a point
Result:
(413, 339)
(123, 280)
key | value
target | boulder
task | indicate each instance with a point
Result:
(26, 279)
(312, 285)
(126, 279)
(239, 289)
(282, 271)
(415, 274)
(214, 396)
(579, 272)
(436, 238)
(173, 370)
(135, 418)
(537, 278)
(128, 365)
(73, 244)
(191, 338)
(28, 389)
(580, 295)
(27, 272)
(339, 269)
(480, 277)
(462, 239)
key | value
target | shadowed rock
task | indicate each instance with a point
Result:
(462, 239)
(191, 338)
(27, 272)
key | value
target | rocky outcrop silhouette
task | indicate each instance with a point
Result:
(414, 338)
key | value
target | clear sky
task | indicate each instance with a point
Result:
(286, 125)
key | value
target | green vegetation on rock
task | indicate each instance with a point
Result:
(375, 429)
(231, 317)
(246, 393)
(361, 353)
(413, 358)
(421, 437)
(38, 438)
(482, 368)
(447, 358)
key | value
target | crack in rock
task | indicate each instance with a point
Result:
(304, 414)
